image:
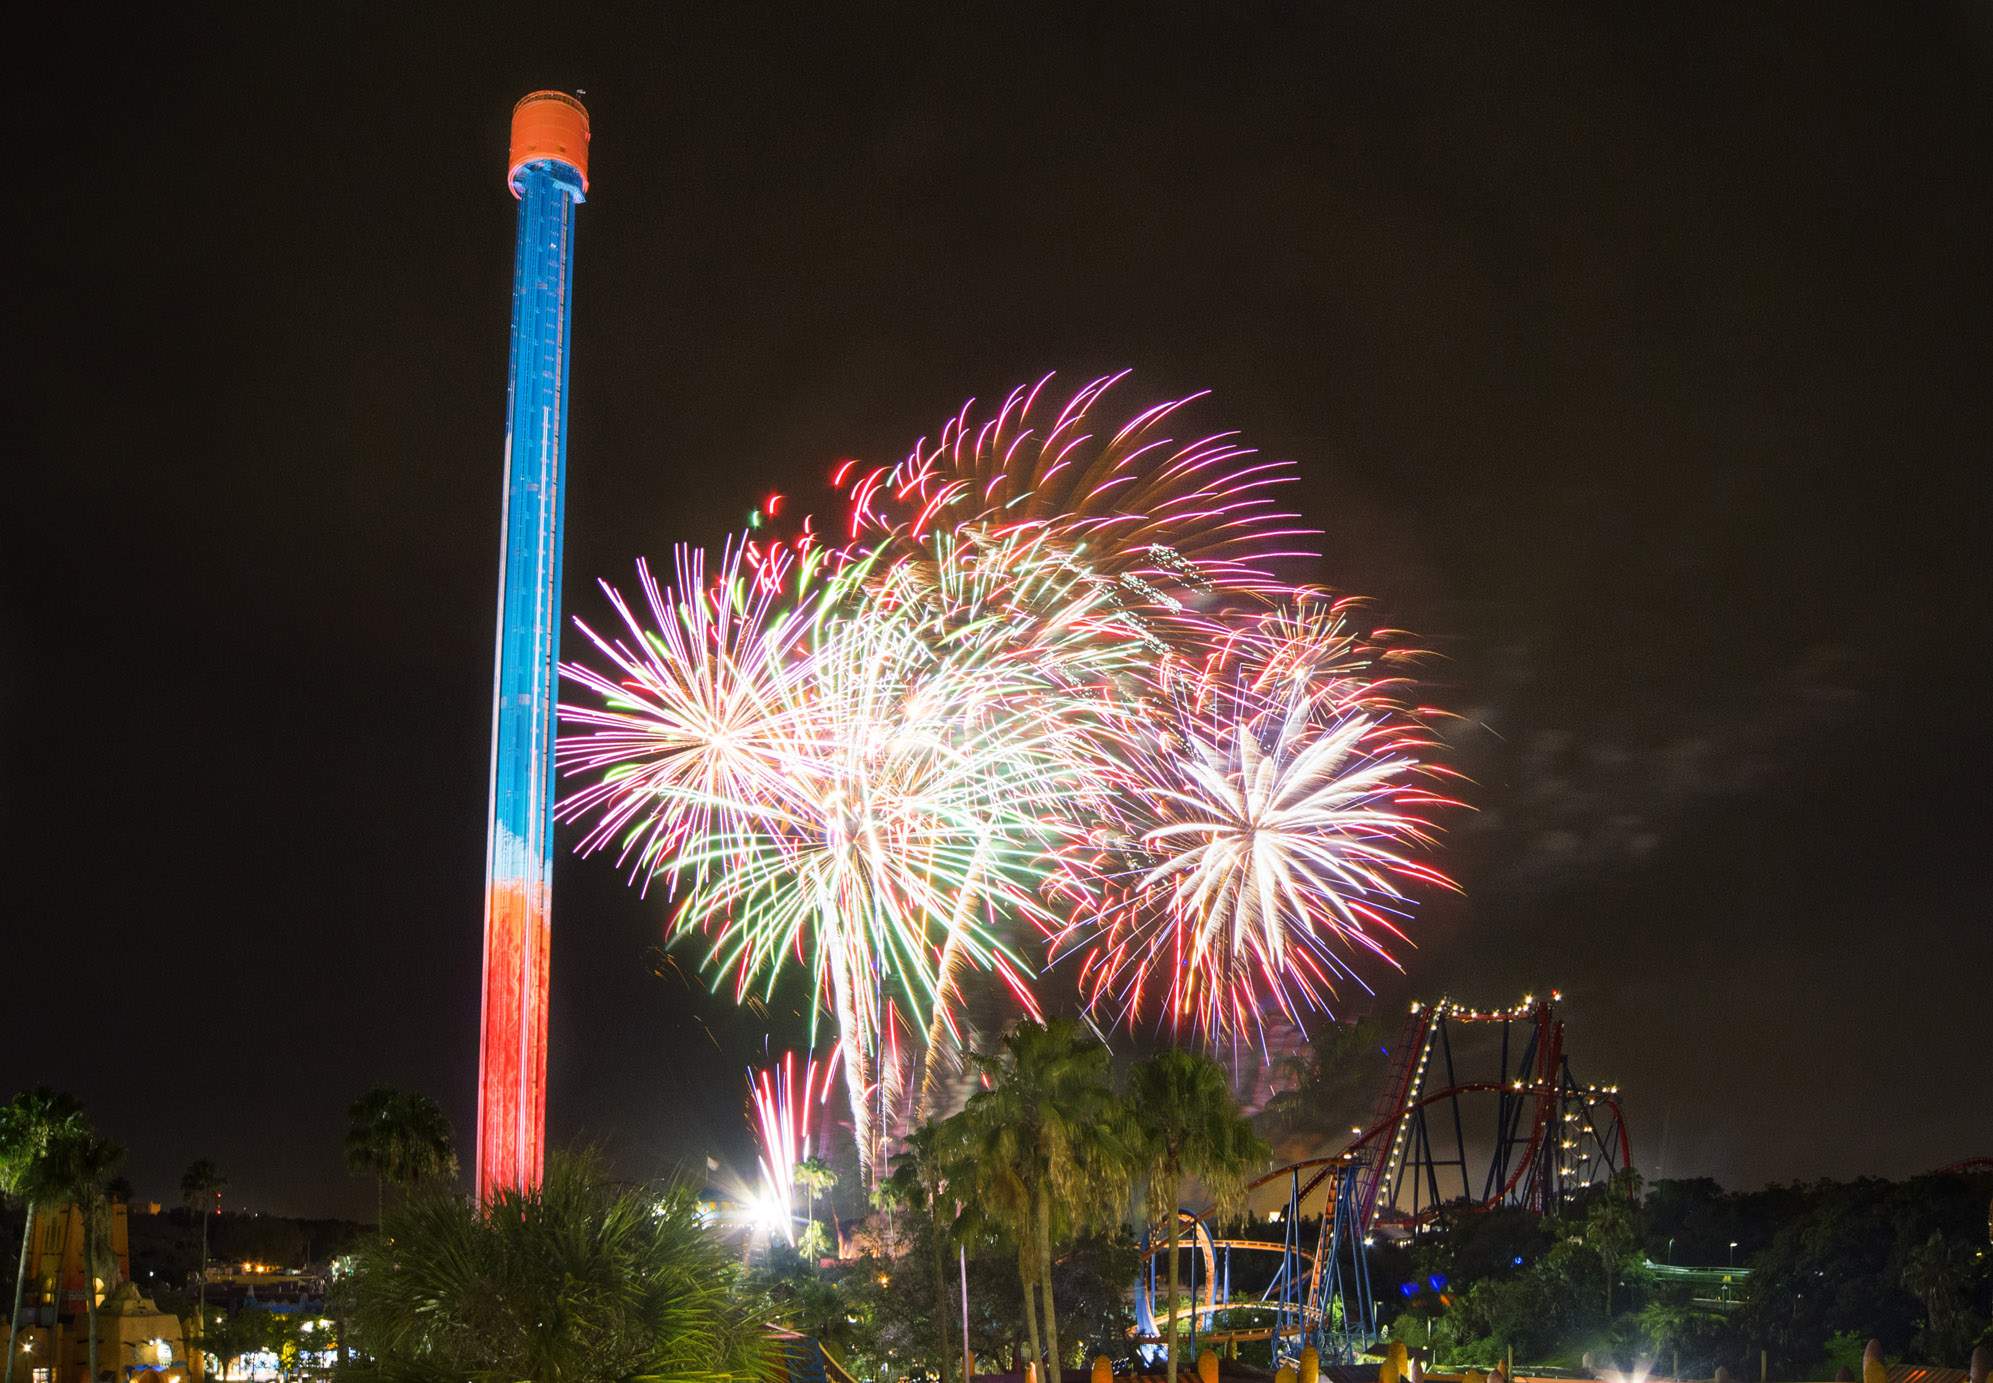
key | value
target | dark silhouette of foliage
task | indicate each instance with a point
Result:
(579, 1280)
(401, 1137)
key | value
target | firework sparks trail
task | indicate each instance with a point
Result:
(1149, 511)
(782, 1111)
(921, 802)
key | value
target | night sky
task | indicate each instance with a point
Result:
(1635, 357)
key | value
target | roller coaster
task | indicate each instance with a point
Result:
(1538, 1137)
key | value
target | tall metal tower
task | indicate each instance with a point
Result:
(548, 173)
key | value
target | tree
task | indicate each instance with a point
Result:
(991, 1158)
(1530, 1313)
(1614, 1229)
(1673, 1327)
(1844, 1351)
(284, 1336)
(580, 1277)
(201, 1186)
(834, 1307)
(1939, 1271)
(1189, 1126)
(919, 1179)
(31, 1124)
(1044, 1146)
(230, 1335)
(85, 1164)
(816, 1177)
(813, 1243)
(398, 1136)
(1091, 1282)
(1837, 1264)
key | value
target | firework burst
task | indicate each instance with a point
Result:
(1281, 801)
(1041, 680)
(691, 710)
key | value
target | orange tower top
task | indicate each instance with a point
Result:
(548, 125)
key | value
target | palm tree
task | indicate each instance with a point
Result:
(201, 1186)
(1190, 1126)
(920, 1174)
(579, 1277)
(985, 1153)
(1614, 1227)
(84, 1166)
(1044, 1145)
(816, 1177)
(31, 1124)
(398, 1136)
(813, 1244)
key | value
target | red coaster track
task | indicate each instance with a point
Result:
(1542, 1137)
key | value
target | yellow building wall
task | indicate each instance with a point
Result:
(54, 1344)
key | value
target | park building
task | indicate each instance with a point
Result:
(135, 1339)
(236, 1287)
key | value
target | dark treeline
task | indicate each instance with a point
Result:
(1827, 1266)
(166, 1247)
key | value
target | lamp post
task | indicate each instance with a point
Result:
(968, 1355)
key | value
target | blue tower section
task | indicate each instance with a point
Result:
(548, 173)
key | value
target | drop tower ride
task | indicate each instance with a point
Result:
(548, 172)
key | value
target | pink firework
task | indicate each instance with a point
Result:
(693, 703)
(1165, 515)
(1280, 802)
(784, 1109)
